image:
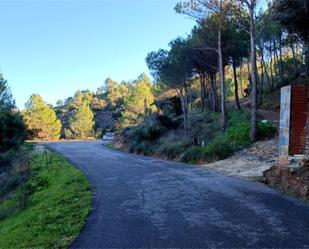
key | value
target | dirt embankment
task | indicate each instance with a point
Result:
(251, 162)
(293, 180)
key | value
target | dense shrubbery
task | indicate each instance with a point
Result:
(172, 145)
(266, 130)
(205, 144)
(140, 138)
(14, 169)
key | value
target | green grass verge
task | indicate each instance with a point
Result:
(49, 210)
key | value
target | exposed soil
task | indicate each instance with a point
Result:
(250, 162)
(293, 180)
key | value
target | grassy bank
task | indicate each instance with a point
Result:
(49, 210)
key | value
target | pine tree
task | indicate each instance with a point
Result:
(138, 102)
(6, 100)
(12, 128)
(41, 120)
(81, 123)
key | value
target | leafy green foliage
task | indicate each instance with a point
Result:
(81, 124)
(41, 120)
(12, 130)
(112, 92)
(138, 103)
(6, 100)
(172, 145)
(218, 149)
(239, 128)
(206, 143)
(294, 15)
(266, 130)
(85, 97)
(49, 210)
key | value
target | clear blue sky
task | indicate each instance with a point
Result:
(54, 47)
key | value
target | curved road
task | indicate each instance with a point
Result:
(149, 203)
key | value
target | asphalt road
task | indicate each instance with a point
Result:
(143, 202)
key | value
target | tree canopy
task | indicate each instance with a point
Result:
(41, 119)
(81, 123)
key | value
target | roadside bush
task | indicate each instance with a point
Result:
(266, 130)
(205, 126)
(146, 131)
(239, 135)
(145, 148)
(172, 145)
(14, 170)
(235, 117)
(192, 155)
(220, 148)
(238, 132)
(162, 137)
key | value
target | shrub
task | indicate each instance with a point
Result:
(144, 148)
(205, 126)
(239, 135)
(220, 148)
(266, 130)
(172, 145)
(192, 155)
(235, 117)
(147, 131)
(14, 170)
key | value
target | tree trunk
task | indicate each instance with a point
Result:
(261, 85)
(235, 85)
(184, 109)
(190, 98)
(202, 91)
(271, 66)
(295, 64)
(213, 93)
(276, 64)
(306, 52)
(249, 74)
(253, 130)
(265, 71)
(241, 88)
(281, 60)
(222, 83)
